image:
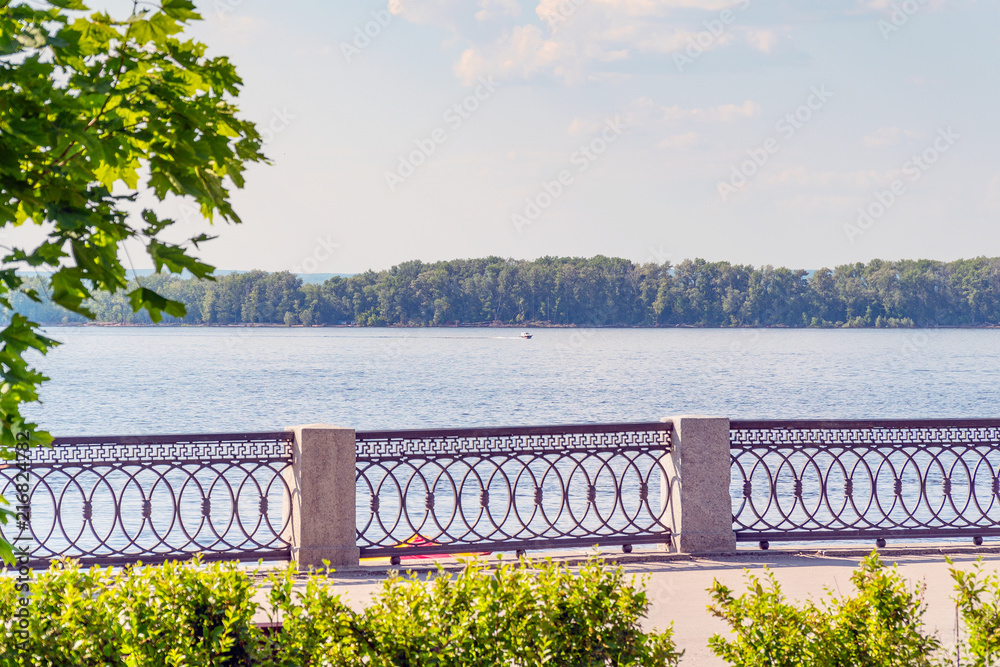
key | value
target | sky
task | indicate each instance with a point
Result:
(804, 133)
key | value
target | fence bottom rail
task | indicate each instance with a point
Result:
(515, 545)
(865, 534)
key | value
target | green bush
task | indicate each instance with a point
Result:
(517, 615)
(978, 600)
(71, 620)
(317, 628)
(522, 614)
(194, 615)
(176, 614)
(879, 626)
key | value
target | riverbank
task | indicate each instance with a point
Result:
(522, 326)
(598, 291)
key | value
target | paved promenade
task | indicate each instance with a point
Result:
(677, 584)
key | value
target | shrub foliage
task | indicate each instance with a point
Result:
(522, 614)
(880, 626)
(977, 595)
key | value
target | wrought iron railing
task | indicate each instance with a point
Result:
(832, 480)
(480, 489)
(115, 500)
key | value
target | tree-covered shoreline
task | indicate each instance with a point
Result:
(597, 291)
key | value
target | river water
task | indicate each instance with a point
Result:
(126, 381)
(108, 380)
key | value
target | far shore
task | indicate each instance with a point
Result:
(525, 325)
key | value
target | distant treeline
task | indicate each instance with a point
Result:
(599, 291)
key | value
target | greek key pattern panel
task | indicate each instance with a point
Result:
(542, 439)
(180, 448)
(850, 434)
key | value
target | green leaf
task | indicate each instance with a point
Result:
(182, 10)
(7, 552)
(175, 259)
(155, 304)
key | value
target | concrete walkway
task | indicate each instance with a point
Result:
(677, 584)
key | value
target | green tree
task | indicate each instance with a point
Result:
(95, 111)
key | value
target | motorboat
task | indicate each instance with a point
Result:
(525, 335)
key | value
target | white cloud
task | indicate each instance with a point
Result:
(884, 136)
(610, 56)
(681, 140)
(581, 126)
(885, 6)
(667, 127)
(660, 7)
(887, 136)
(801, 177)
(439, 12)
(575, 35)
(726, 113)
(493, 9)
(669, 39)
(570, 38)
(243, 29)
(521, 53)
(762, 40)
(555, 12)
(991, 202)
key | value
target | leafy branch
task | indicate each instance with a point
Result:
(72, 130)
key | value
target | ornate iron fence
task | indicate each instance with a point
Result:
(823, 480)
(116, 500)
(479, 490)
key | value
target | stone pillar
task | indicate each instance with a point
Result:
(322, 484)
(700, 511)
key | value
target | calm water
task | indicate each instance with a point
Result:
(174, 380)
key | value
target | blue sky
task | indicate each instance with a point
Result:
(800, 133)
